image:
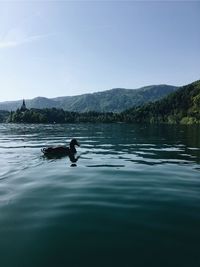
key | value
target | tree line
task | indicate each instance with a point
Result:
(180, 107)
(54, 115)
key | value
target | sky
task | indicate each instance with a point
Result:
(61, 48)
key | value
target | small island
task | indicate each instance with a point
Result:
(179, 107)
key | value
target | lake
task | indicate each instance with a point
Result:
(131, 199)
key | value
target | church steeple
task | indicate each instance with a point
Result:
(23, 107)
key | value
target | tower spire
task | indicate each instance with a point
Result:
(23, 107)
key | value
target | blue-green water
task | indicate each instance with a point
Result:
(132, 200)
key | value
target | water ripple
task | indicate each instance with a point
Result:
(134, 191)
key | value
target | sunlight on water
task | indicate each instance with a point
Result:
(131, 199)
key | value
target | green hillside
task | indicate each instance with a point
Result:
(114, 100)
(182, 106)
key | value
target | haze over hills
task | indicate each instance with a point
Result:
(114, 100)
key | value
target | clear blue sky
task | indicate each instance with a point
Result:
(57, 48)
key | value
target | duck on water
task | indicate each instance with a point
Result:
(61, 150)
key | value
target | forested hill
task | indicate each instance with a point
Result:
(114, 100)
(182, 106)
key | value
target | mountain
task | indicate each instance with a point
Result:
(38, 102)
(114, 100)
(182, 106)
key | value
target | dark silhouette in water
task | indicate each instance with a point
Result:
(62, 151)
(73, 160)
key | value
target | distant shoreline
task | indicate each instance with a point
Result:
(179, 107)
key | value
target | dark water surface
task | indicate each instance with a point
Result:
(132, 200)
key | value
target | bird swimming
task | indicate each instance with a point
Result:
(61, 150)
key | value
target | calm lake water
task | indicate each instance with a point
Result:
(133, 198)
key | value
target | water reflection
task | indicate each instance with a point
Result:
(73, 158)
(135, 191)
(104, 144)
(152, 144)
